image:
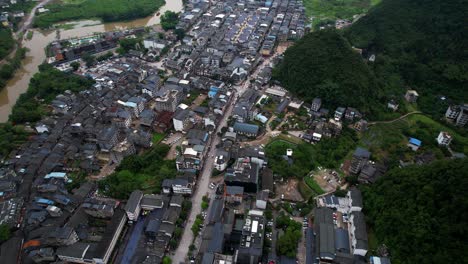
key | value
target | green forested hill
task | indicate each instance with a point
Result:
(421, 212)
(419, 44)
(422, 42)
(323, 64)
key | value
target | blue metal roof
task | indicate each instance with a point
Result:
(415, 142)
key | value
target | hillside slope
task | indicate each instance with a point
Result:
(420, 212)
(323, 64)
(422, 43)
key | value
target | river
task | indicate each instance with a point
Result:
(36, 54)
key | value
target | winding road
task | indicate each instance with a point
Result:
(25, 26)
(396, 119)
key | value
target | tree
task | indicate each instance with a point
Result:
(167, 260)
(420, 211)
(75, 65)
(169, 20)
(340, 77)
(5, 232)
(180, 33)
(88, 59)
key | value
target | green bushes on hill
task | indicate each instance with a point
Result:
(420, 44)
(322, 64)
(420, 212)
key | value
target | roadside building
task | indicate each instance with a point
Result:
(132, 208)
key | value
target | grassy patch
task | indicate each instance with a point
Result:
(157, 137)
(313, 185)
(373, 241)
(323, 10)
(193, 95)
(29, 35)
(388, 141)
(305, 191)
(65, 26)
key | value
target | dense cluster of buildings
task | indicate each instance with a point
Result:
(225, 40)
(340, 229)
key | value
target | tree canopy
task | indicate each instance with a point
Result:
(144, 172)
(418, 44)
(421, 43)
(169, 20)
(323, 64)
(287, 243)
(6, 42)
(420, 212)
(43, 88)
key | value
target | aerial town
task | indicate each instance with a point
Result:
(184, 150)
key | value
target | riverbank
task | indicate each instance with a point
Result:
(105, 10)
(40, 39)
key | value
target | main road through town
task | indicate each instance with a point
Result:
(180, 255)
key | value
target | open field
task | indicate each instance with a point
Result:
(328, 10)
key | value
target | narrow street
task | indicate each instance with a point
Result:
(180, 254)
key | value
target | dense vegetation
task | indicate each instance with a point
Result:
(10, 138)
(418, 44)
(420, 212)
(43, 88)
(328, 153)
(145, 172)
(387, 142)
(107, 10)
(7, 70)
(169, 20)
(287, 243)
(323, 64)
(6, 42)
(127, 44)
(421, 44)
(5, 232)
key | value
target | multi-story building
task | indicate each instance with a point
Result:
(358, 234)
(181, 119)
(444, 138)
(452, 112)
(411, 96)
(462, 118)
(360, 157)
(316, 104)
(133, 208)
(168, 101)
(251, 247)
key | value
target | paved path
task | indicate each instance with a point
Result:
(31, 16)
(396, 119)
(132, 243)
(180, 253)
(23, 28)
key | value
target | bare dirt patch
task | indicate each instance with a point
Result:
(290, 189)
(326, 180)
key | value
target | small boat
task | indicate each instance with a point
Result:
(158, 14)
